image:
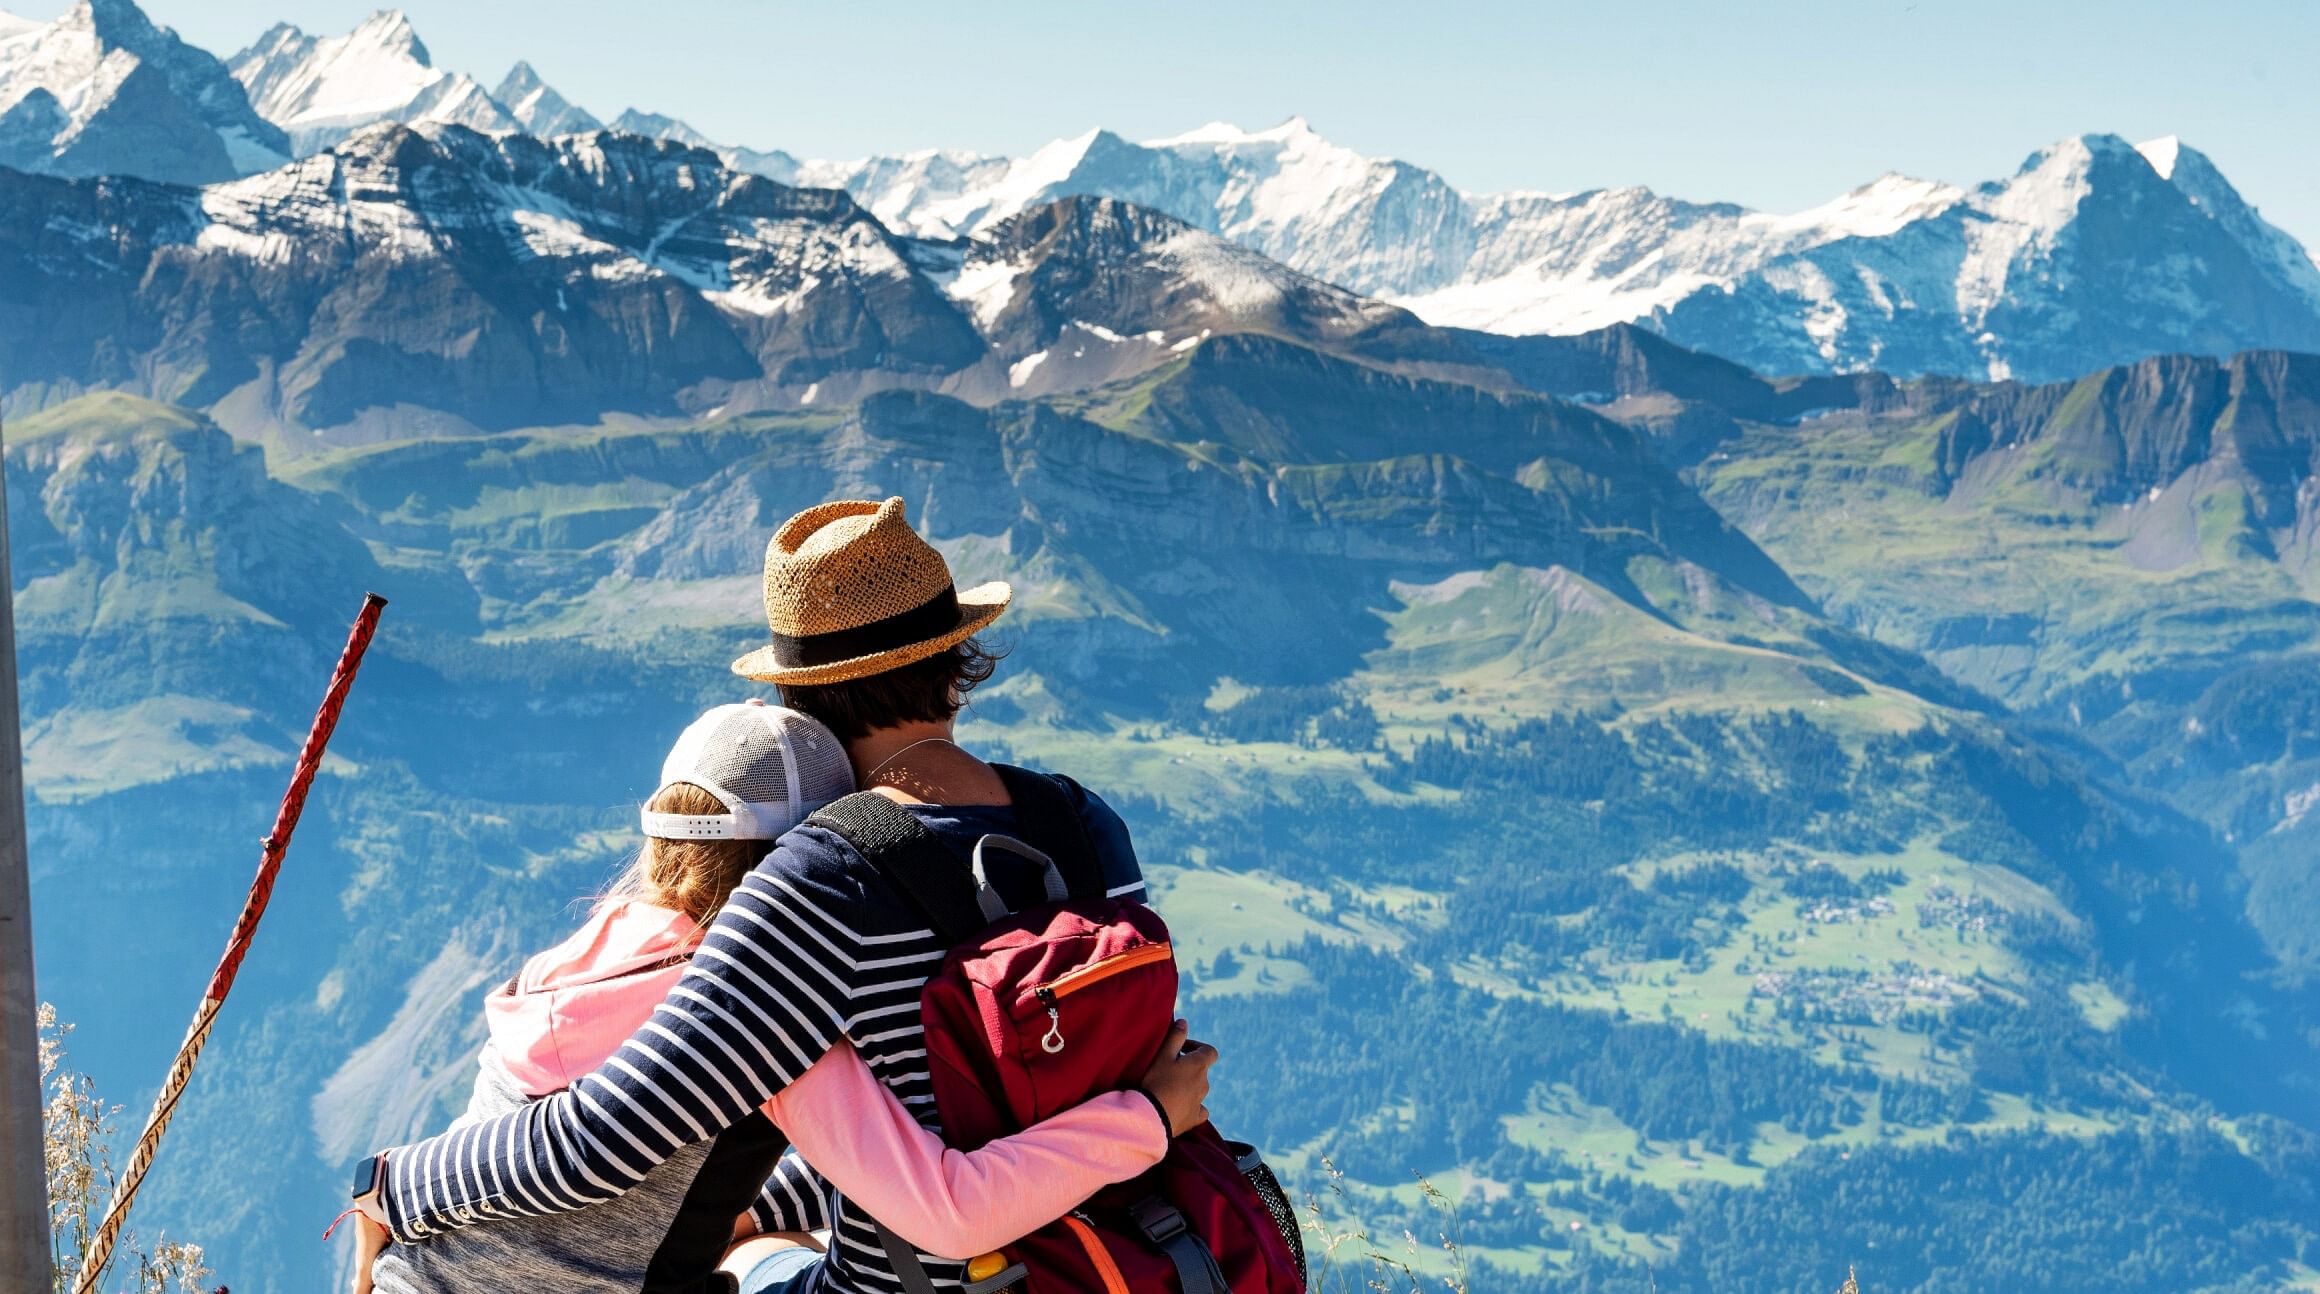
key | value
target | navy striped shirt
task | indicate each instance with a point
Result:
(813, 947)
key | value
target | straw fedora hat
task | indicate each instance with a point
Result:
(852, 590)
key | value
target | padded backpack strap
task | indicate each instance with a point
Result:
(913, 860)
(1164, 1226)
(904, 1260)
(1048, 820)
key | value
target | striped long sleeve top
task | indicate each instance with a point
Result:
(812, 947)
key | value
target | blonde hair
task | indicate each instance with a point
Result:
(694, 877)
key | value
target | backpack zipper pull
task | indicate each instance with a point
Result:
(1053, 1041)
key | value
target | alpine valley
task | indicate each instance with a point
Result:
(1734, 746)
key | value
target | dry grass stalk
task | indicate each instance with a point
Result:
(1349, 1260)
(77, 1135)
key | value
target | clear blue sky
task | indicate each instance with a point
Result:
(1778, 104)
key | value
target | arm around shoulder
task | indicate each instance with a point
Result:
(953, 1202)
(750, 1015)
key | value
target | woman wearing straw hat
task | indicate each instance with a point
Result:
(870, 636)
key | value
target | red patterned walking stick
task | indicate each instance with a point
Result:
(276, 844)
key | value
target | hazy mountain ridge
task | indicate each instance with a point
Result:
(2094, 253)
(1902, 275)
(434, 280)
(500, 280)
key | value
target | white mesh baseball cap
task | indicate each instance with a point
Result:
(769, 764)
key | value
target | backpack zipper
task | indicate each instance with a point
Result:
(1106, 1270)
(1080, 977)
(1051, 993)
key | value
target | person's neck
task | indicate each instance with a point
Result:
(937, 771)
(874, 748)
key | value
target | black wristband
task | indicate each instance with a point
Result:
(1159, 1109)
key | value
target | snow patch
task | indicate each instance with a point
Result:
(2161, 154)
(547, 234)
(2296, 806)
(1875, 210)
(1238, 281)
(1228, 134)
(985, 288)
(755, 299)
(1019, 372)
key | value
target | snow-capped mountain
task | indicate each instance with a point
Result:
(1083, 291)
(321, 89)
(432, 279)
(2095, 253)
(2091, 255)
(103, 91)
(538, 108)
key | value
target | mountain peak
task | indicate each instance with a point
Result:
(537, 107)
(102, 90)
(273, 37)
(653, 125)
(2161, 154)
(2046, 192)
(1226, 134)
(388, 31)
(2105, 144)
(118, 22)
(1076, 146)
(2076, 154)
(1878, 208)
(322, 89)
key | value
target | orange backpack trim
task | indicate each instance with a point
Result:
(1109, 1271)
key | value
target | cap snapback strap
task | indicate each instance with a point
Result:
(689, 826)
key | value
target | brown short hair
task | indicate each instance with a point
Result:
(694, 877)
(925, 691)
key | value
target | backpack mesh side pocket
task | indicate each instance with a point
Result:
(1268, 1188)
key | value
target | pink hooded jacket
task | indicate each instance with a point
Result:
(576, 1003)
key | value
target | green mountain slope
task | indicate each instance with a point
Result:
(2128, 556)
(1523, 823)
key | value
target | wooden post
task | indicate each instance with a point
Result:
(24, 1252)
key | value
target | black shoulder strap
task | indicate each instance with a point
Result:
(913, 860)
(737, 1163)
(1051, 823)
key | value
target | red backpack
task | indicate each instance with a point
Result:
(1034, 1012)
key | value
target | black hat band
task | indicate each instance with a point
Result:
(932, 618)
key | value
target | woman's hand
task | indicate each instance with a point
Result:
(1178, 1080)
(369, 1239)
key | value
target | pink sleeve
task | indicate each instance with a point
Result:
(956, 1203)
